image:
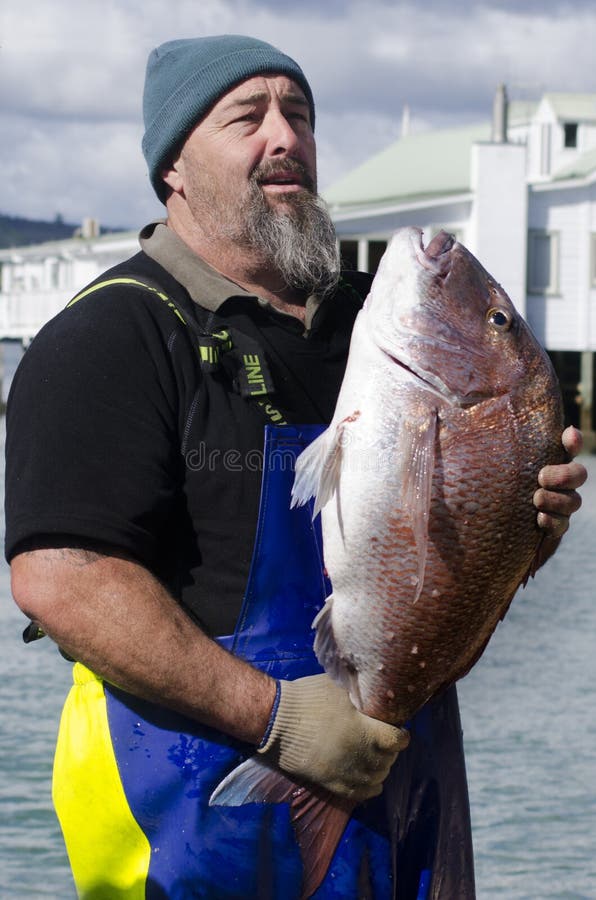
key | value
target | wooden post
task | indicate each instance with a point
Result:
(586, 402)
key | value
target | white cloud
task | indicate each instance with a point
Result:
(71, 78)
(77, 169)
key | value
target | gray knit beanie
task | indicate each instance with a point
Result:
(186, 77)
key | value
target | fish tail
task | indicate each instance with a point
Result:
(318, 817)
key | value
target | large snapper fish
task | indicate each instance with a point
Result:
(448, 409)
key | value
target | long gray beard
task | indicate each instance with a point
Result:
(300, 244)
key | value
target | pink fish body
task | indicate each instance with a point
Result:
(448, 409)
(425, 477)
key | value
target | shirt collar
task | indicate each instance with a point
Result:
(207, 287)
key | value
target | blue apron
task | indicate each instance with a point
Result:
(411, 843)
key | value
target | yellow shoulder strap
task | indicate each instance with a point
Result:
(110, 282)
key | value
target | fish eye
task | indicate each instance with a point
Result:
(499, 319)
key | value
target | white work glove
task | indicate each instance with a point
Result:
(319, 736)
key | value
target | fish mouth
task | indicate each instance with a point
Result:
(429, 381)
(437, 255)
(436, 258)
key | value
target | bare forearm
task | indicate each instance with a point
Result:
(115, 617)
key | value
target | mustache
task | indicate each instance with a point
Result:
(270, 168)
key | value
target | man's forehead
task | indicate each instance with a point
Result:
(263, 87)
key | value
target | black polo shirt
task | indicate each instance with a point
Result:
(119, 437)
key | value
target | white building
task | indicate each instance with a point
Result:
(38, 280)
(519, 191)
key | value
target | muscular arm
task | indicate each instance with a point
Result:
(112, 615)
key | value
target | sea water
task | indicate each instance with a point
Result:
(529, 719)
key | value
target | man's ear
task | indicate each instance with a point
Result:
(173, 175)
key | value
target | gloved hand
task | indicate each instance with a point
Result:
(319, 736)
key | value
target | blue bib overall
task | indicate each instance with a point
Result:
(132, 780)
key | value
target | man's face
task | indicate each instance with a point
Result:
(256, 142)
(247, 174)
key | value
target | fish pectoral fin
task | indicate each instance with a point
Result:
(318, 469)
(325, 647)
(417, 478)
(309, 467)
(318, 817)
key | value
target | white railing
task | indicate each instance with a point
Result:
(23, 313)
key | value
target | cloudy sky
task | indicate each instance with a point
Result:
(71, 76)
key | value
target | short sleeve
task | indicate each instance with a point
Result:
(92, 419)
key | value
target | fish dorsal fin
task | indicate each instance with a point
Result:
(544, 550)
(419, 437)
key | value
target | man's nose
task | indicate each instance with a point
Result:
(281, 136)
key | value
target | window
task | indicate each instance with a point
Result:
(349, 254)
(17, 279)
(363, 255)
(570, 134)
(543, 262)
(53, 274)
(375, 252)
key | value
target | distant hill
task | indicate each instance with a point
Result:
(17, 232)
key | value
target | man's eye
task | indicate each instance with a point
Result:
(300, 118)
(252, 116)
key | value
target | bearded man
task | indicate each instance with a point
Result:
(150, 533)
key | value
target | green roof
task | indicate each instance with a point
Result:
(430, 163)
(573, 107)
(579, 168)
(521, 111)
